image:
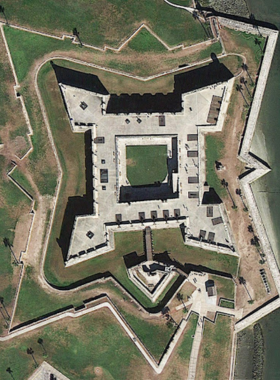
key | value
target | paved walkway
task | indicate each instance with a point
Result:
(253, 318)
(195, 350)
(202, 304)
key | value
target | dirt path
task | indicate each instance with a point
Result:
(239, 219)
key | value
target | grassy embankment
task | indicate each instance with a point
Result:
(13, 203)
(34, 302)
(76, 348)
(171, 240)
(111, 22)
(138, 57)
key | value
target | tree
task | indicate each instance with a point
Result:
(250, 228)
(9, 245)
(77, 34)
(30, 351)
(245, 68)
(9, 370)
(258, 43)
(2, 10)
(239, 88)
(255, 25)
(196, 17)
(181, 299)
(238, 192)
(4, 307)
(4, 317)
(41, 342)
(169, 324)
(225, 185)
(243, 81)
(243, 282)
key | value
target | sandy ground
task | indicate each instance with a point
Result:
(239, 219)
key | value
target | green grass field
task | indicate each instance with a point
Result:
(228, 304)
(184, 350)
(76, 348)
(144, 41)
(33, 302)
(14, 205)
(146, 164)
(214, 151)
(23, 181)
(171, 240)
(245, 41)
(108, 22)
(26, 48)
(216, 348)
(225, 287)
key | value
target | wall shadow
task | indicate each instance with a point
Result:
(192, 80)
(78, 205)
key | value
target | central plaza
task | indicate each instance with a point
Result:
(182, 199)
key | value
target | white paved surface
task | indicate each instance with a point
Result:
(44, 371)
(112, 156)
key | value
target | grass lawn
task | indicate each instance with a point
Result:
(26, 48)
(216, 348)
(225, 287)
(185, 348)
(214, 152)
(33, 302)
(14, 204)
(145, 41)
(155, 337)
(171, 240)
(146, 164)
(76, 348)
(102, 22)
(22, 180)
(246, 43)
(228, 304)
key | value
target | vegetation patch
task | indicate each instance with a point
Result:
(22, 180)
(226, 303)
(258, 357)
(146, 164)
(225, 287)
(250, 42)
(144, 41)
